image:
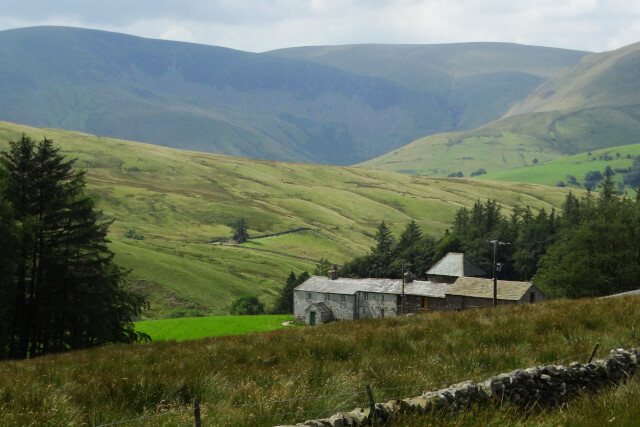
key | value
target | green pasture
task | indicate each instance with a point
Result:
(552, 172)
(192, 328)
(515, 142)
(178, 202)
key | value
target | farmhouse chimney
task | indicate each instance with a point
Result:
(333, 273)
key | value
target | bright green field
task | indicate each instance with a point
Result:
(550, 173)
(179, 200)
(192, 328)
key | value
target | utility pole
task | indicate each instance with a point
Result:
(402, 296)
(495, 272)
(404, 268)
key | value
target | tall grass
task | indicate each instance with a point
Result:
(399, 357)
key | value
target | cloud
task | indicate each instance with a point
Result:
(258, 25)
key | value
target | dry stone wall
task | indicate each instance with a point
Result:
(539, 385)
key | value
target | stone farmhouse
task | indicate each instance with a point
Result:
(324, 299)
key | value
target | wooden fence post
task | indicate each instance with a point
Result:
(196, 412)
(593, 353)
(372, 404)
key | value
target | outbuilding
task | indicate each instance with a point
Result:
(474, 292)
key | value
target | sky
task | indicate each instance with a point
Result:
(261, 25)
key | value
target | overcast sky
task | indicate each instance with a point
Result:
(260, 25)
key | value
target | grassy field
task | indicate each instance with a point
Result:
(192, 328)
(178, 200)
(552, 172)
(301, 370)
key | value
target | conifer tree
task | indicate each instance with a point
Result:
(384, 240)
(67, 292)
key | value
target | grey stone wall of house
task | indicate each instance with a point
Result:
(417, 304)
(437, 304)
(524, 388)
(371, 305)
(441, 279)
(412, 304)
(459, 302)
(533, 295)
(342, 306)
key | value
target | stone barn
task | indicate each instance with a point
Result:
(474, 292)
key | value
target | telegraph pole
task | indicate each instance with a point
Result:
(404, 268)
(402, 297)
(495, 272)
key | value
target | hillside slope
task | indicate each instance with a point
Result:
(590, 106)
(269, 106)
(179, 200)
(477, 81)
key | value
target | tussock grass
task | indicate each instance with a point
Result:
(399, 357)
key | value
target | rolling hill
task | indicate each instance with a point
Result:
(590, 106)
(345, 106)
(181, 201)
(578, 165)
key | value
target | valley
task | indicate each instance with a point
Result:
(179, 200)
(587, 107)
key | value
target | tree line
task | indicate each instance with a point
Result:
(589, 248)
(59, 287)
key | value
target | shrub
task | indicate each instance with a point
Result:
(133, 234)
(247, 304)
(480, 171)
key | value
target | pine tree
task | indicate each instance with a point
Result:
(384, 240)
(240, 232)
(410, 236)
(67, 291)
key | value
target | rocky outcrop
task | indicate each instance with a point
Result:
(539, 385)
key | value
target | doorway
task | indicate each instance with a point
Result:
(312, 318)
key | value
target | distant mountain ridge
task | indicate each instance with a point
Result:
(593, 105)
(297, 105)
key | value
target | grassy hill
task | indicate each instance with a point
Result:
(179, 200)
(590, 106)
(555, 171)
(288, 376)
(269, 106)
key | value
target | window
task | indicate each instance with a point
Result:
(308, 296)
(342, 298)
(382, 299)
(327, 297)
(382, 312)
(364, 311)
(365, 296)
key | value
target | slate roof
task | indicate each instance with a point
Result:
(483, 288)
(346, 286)
(320, 306)
(455, 264)
(624, 294)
